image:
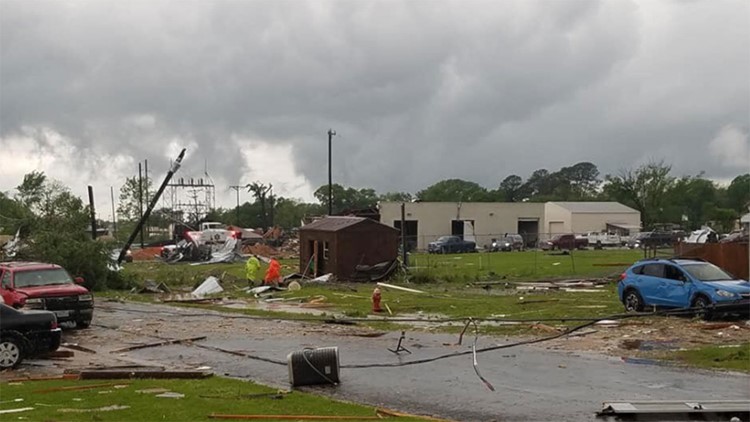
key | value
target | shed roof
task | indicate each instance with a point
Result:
(334, 224)
(596, 207)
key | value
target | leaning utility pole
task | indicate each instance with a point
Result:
(331, 132)
(237, 211)
(154, 200)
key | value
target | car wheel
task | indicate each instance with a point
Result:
(10, 352)
(702, 303)
(84, 323)
(632, 301)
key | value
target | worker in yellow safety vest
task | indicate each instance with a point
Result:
(251, 269)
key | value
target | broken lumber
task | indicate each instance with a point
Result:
(403, 289)
(157, 344)
(115, 375)
(76, 346)
(389, 412)
(75, 388)
(60, 354)
(49, 378)
(293, 417)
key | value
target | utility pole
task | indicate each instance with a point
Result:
(237, 215)
(145, 194)
(140, 198)
(92, 211)
(114, 216)
(331, 133)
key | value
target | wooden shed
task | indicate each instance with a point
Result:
(338, 244)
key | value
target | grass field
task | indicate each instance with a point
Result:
(522, 265)
(424, 268)
(735, 357)
(214, 395)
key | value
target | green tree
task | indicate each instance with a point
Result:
(512, 189)
(56, 231)
(396, 197)
(261, 194)
(454, 190)
(346, 198)
(130, 192)
(644, 189)
(738, 193)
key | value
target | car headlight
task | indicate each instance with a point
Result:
(85, 298)
(724, 293)
(34, 303)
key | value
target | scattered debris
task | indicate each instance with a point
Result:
(294, 417)
(59, 354)
(160, 343)
(170, 395)
(399, 347)
(156, 390)
(322, 279)
(21, 409)
(209, 286)
(377, 272)
(96, 409)
(113, 375)
(403, 289)
(76, 346)
(74, 388)
(150, 286)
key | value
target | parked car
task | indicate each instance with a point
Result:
(682, 283)
(565, 241)
(451, 244)
(26, 334)
(652, 239)
(35, 285)
(511, 242)
(605, 240)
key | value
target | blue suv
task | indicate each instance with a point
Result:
(682, 283)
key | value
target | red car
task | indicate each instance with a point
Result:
(565, 242)
(34, 285)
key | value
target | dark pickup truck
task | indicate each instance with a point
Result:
(565, 241)
(26, 334)
(451, 244)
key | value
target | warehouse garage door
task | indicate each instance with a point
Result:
(556, 227)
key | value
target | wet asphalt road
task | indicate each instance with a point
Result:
(532, 384)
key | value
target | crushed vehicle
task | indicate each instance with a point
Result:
(36, 285)
(511, 242)
(652, 239)
(683, 283)
(564, 242)
(26, 334)
(451, 244)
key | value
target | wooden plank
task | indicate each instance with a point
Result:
(111, 375)
(159, 343)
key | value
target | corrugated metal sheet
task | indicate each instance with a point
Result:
(595, 207)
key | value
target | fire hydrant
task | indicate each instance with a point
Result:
(376, 300)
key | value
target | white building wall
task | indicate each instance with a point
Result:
(558, 220)
(491, 219)
(597, 222)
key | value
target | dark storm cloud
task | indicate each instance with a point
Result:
(418, 91)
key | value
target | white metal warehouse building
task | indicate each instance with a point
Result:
(483, 221)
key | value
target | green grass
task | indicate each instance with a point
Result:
(721, 357)
(147, 407)
(521, 265)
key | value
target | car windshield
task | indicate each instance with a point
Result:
(41, 278)
(707, 272)
(444, 238)
(507, 239)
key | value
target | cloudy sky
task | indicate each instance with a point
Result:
(418, 91)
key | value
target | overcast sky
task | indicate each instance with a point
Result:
(418, 91)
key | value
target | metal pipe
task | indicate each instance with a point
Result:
(172, 170)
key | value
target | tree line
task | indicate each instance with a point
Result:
(661, 197)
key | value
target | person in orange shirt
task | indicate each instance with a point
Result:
(273, 273)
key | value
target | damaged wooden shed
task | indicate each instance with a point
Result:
(339, 244)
